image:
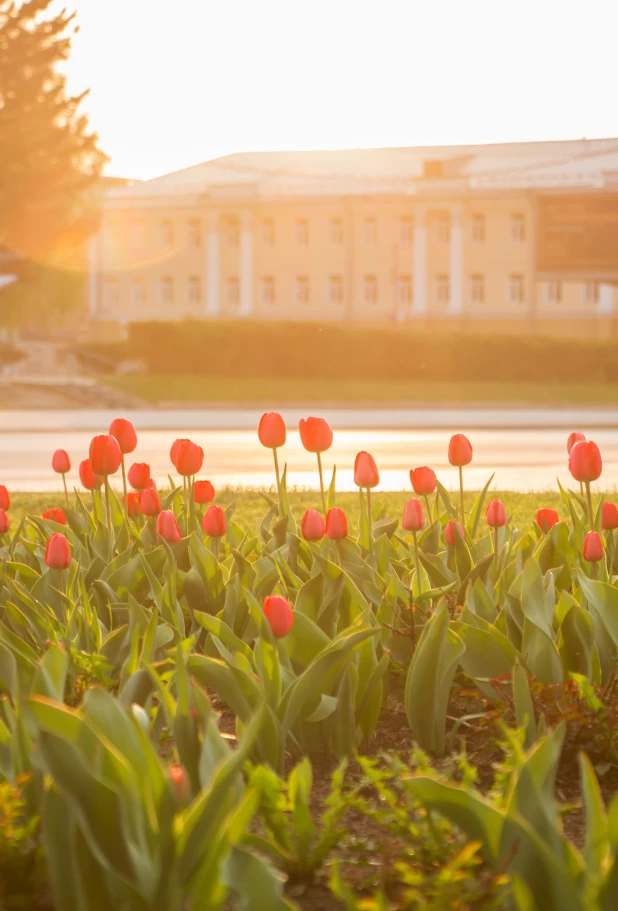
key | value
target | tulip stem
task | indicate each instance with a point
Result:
(610, 553)
(66, 492)
(124, 488)
(412, 622)
(369, 518)
(428, 507)
(339, 553)
(590, 510)
(185, 504)
(461, 496)
(496, 544)
(108, 513)
(278, 476)
(321, 482)
(416, 560)
(214, 543)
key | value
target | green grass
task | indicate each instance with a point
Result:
(264, 391)
(251, 507)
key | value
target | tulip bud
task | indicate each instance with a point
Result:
(279, 614)
(413, 517)
(141, 716)
(180, 785)
(312, 526)
(496, 514)
(546, 519)
(5, 500)
(105, 455)
(149, 502)
(139, 475)
(132, 502)
(585, 462)
(315, 434)
(366, 471)
(187, 457)
(58, 552)
(124, 432)
(214, 523)
(167, 527)
(336, 524)
(609, 516)
(55, 514)
(271, 431)
(90, 480)
(459, 450)
(575, 437)
(423, 480)
(453, 533)
(593, 547)
(5, 522)
(203, 492)
(61, 462)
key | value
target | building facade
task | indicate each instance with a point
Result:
(441, 236)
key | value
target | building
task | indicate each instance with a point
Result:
(509, 237)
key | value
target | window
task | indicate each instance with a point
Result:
(302, 232)
(167, 292)
(268, 233)
(302, 290)
(477, 289)
(406, 232)
(443, 230)
(371, 231)
(554, 292)
(232, 233)
(405, 290)
(518, 229)
(233, 293)
(443, 290)
(195, 232)
(111, 297)
(370, 290)
(335, 289)
(336, 232)
(194, 290)
(478, 229)
(516, 289)
(138, 294)
(268, 290)
(591, 294)
(167, 233)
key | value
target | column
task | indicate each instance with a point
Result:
(246, 264)
(419, 271)
(93, 276)
(456, 263)
(605, 307)
(212, 266)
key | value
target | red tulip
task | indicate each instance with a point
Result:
(336, 524)
(459, 450)
(312, 526)
(451, 536)
(149, 502)
(132, 501)
(152, 483)
(61, 462)
(593, 547)
(575, 437)
(413, 517)
(203, 492)
(5, 500)
(279, 614)
(188, 456)
(585, 462)
(167, 527)
(139, 475)
(58, 552)
(423, 480)
(609, 516)
(5, 522)
(214, 523)
(496, 514)
(366, 471)
(315, 434)
(180, 785)
(271, 431)
(90, 480)
(55, 514)
(546, 519)
(124, 432)
(105, 455)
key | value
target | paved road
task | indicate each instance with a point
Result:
(526, 449)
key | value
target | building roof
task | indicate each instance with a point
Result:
(591, 163)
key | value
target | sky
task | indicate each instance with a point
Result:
(176, 82)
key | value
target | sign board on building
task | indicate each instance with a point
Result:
(577, 236)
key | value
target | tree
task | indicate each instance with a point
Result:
(50, 163)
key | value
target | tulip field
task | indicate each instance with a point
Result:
(312, 709)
